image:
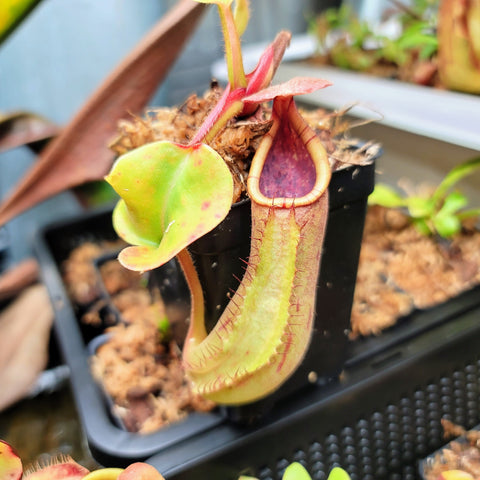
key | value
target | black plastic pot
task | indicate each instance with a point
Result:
(218, 259)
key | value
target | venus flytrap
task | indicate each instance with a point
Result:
(174, 194)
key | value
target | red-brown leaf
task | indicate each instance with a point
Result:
(80, 153)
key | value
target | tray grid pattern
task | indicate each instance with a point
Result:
(389, 443)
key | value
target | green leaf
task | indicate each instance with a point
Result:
(446, 225)
(422, 226)
(241, 14)
(386, 197)
(392, 51)
(428, 50)
(296, 471)
(419, 207)
(453, 203)
(164, 326)
(454, 176)
(12, 13)
(171, 196)
(338, 473)
(418, 40)
(473, 212)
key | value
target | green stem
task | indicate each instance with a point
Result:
(196, 332)
(228, 106)
(474, 212)
(233, 50)
(234, 109)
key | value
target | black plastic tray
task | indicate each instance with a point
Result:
(413, 368)
(411, 325)
(103, 435)
(378, 422)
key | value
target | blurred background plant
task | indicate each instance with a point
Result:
(427, 42)
(405, 36)
(434, 211)
(12, 12)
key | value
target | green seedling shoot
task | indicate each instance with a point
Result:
(440, 213)
(296, 471)
(357, 45)
(173, 194)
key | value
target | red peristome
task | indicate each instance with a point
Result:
(68, 470)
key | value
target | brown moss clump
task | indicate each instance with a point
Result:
(462, 454)
(139, 365)
(143, 374)
(401, 270)
(236, 143)
(78, 271)
(239, 140)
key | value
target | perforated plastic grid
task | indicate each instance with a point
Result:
(388, 443)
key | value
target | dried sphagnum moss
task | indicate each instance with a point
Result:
(144, 376)
(401, 270)
(462, 454)
(238, 141)
(139, 369)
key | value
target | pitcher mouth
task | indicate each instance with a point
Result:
(290, 167)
